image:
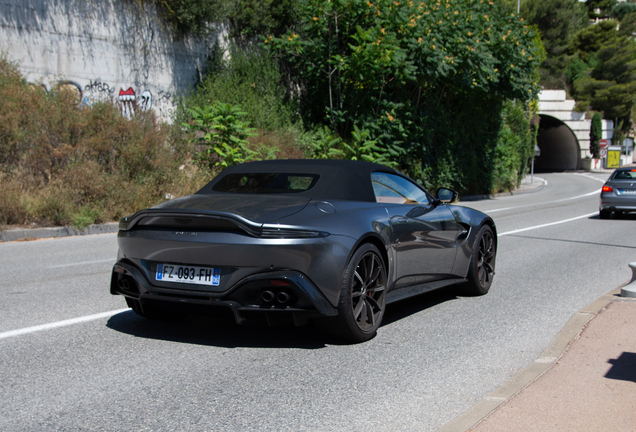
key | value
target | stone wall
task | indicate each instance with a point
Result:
(102, 49)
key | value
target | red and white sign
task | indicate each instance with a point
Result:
(603, 143)
(603, 152)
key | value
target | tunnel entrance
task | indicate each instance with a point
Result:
(560, 150)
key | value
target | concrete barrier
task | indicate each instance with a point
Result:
(629, 290)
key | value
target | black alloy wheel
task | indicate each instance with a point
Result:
(482, 265)
(363, 297)
(368, 292)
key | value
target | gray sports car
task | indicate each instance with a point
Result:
(619, 193)
(330, 240)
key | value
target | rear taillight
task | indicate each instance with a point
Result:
(607, 189)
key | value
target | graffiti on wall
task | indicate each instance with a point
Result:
(129, 100)
(99, 87)
(70, 88)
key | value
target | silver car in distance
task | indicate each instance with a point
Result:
(619, 193)
(333, 241)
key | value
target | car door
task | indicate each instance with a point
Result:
(423, 233)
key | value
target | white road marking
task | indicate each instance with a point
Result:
(58, 324)
(598, 191)
(592, 177)
(83, 263)
(548, 224)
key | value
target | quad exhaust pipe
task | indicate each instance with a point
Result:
(281, 297)
(123, 284)
(267, 296)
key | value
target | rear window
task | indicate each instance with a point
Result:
(624, 175)
(266, 183)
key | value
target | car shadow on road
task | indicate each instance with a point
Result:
(412, 305)
(614, 216)
(220, 330)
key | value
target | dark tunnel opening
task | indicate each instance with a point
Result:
(560, 150)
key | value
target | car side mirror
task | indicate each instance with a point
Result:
(446, 196)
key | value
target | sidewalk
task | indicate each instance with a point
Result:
(584, 381)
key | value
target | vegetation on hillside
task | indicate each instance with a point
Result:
(441, 90)
(64, 164)
(426, 80)
(591, 53)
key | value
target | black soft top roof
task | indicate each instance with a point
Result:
(339, 179)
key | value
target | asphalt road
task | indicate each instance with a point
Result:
(433, 358)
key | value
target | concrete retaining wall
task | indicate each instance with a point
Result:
(114, 49)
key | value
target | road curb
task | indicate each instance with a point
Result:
(66, 231)
(555, 350)
(522, 190)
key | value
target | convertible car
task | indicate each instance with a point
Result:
(333, 241)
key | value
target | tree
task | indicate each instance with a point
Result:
(193, 16)
(609, 82)
(412, 73)
(557, 21)
(596, 133)
(599, 9)
(263, 17)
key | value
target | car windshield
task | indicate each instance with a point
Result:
(624, 175)
(266, 183)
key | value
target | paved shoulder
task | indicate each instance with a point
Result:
(583, 381)
(66, 231)
(591, 387)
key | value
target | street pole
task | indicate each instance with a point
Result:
(532, 172)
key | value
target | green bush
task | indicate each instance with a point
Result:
(222, 135)
(247, 76)
(426, 79)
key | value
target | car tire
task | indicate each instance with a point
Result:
(363, 297)
(482, 264)
(604, 214)
(152, 311)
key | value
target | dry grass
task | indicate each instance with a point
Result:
(67, 164)
(62, 164)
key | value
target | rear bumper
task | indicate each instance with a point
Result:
(277, 294)
(613, 202)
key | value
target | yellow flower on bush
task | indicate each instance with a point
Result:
(390, 117)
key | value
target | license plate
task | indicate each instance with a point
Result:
(628, 191)
(188, 274)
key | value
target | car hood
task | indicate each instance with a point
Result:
(256, 208)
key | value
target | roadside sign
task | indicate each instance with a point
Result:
(603, 152)
(603, 143)
(613, 159)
